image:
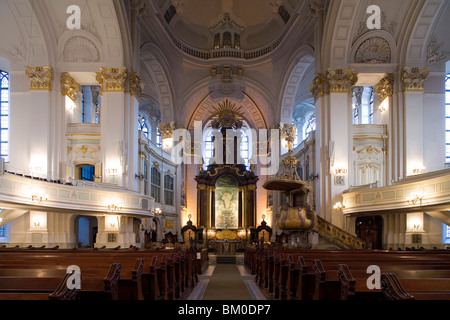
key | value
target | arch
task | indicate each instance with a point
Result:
(301, 65)
(374, 36)
(85, 230)
(85, 41)
(414, 51)
(151, 64)
(201, 97)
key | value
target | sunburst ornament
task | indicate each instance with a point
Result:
(227, 115)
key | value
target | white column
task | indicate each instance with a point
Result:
(434, 123)
(413, 79)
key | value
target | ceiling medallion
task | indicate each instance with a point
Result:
(227, 115)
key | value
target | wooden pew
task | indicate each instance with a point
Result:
(394, 288)
(16, 287)
(290, 268)
(98, 259)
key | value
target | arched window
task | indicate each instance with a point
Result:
(447, 118)
(142, 125)
(363, 105)
(310, 126)
(244, 147)
(158, 138)
(4, 115)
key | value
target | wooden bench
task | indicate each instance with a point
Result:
(16, 287)
(167, 276)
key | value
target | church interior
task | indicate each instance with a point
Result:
(268, 143)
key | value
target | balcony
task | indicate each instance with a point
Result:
(433, 188)
(21, 192)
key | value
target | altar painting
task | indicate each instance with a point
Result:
(226, 203)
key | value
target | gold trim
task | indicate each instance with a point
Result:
(112, 79)
(41, 78)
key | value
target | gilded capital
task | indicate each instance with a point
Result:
(413, 79)
(385, 88)
(69, 87)
(136, 84)
(167, 129)
(41, 78)
(318, 86)
(112, 79)
(341, 80)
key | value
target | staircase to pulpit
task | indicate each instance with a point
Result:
(300, 223)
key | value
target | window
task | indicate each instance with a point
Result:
(170, 13)
(310, 126)
(142, 125)
(4, 115)
(145, 178)
(156, 185)
(158, 139)
(168, 190)
(363, 107)
(87, 173)
(3, 232)
(284, 14)
(445, 234)
(447, 118)
(227, 40)
(245, 149)
(209, 148)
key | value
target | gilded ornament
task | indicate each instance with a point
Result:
(167, 129)
(136, 84)
(69, 87)
(341, 80)
(227, 115)
(112, 79)
(413, 78)
(318, 86)
(41, 78)
(385, 88)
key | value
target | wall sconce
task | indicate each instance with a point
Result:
(140, 176)
(157, 211)
(112, 172)
(39, 198)
(112, 223)
(313, 177)
(413, 199)
(418, 170)
(114, 207)
(341, 171)
(383, 106)
(339, 206)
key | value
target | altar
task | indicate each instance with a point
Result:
(226, 242)
(225, 247)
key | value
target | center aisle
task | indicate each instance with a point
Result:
(226, 281)
(226, 284)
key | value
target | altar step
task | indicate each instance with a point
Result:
(226, 259)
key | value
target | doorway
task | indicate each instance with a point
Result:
(370, 229)
(86, 229)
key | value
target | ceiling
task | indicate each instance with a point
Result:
(257, 21)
